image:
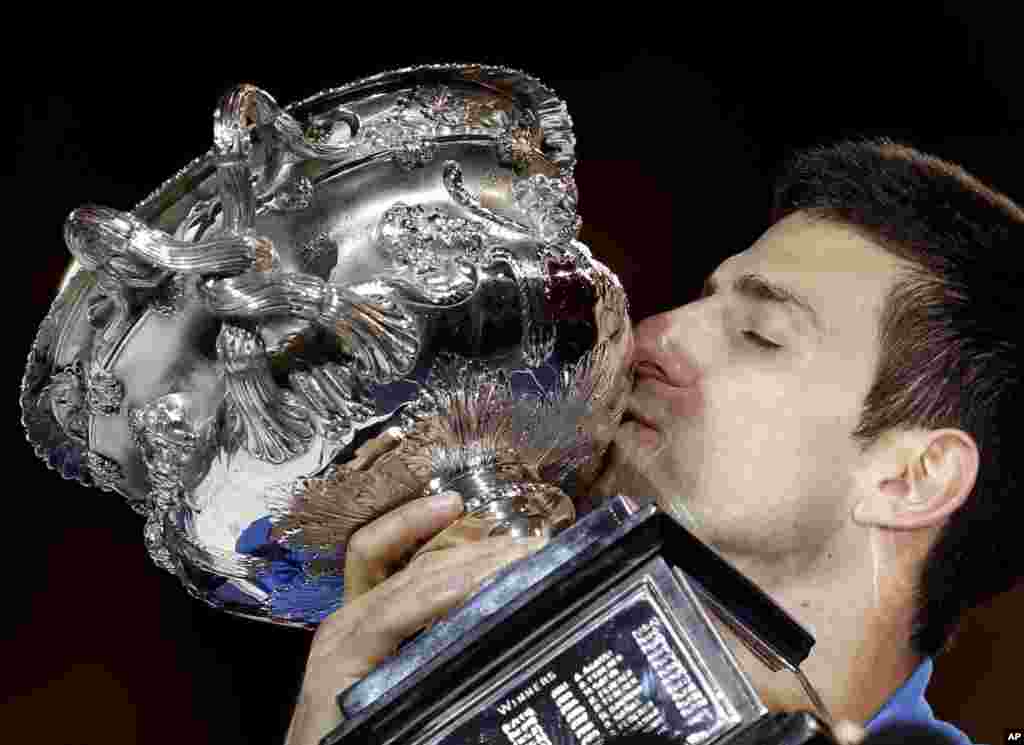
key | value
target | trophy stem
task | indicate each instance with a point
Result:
(496, 505)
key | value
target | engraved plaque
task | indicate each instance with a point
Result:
(626, 664)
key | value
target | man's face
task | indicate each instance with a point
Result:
(740, 421)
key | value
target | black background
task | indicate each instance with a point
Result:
(681, 119)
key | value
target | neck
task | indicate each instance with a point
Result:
(856, 663)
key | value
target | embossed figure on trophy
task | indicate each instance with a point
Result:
(177, 438)
(67, 397)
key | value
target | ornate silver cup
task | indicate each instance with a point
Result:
(346, 302)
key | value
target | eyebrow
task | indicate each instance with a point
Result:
(757, 288)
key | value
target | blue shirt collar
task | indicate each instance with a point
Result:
(907, 705)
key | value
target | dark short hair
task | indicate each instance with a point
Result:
(950, 343)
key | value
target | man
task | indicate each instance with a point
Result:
(832, 414)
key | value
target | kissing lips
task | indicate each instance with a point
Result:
(654, 394)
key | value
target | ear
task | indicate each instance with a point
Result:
(916, 479)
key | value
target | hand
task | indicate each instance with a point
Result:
(383, 606)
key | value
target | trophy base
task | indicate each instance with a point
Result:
(602, 632)
(637, 654)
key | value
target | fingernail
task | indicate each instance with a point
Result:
(446, 500)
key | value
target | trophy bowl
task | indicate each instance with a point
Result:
(346, 303)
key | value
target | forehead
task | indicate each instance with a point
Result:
(842, 274)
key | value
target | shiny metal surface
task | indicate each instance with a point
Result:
(368, 295)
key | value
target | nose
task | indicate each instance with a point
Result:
(660, 350)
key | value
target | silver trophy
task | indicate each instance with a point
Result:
(370, 294)
(358, 299)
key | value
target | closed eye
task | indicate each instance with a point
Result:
(756, 338)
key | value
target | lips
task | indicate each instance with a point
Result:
(648, 369)
(666, 387)
(654, 399)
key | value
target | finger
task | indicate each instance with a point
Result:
(358, 636)
(424, 590)
(450, 559)
(415, 597)
(377, 547)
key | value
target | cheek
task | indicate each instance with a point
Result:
(749, 403)
(783, 438)
(770, 436)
